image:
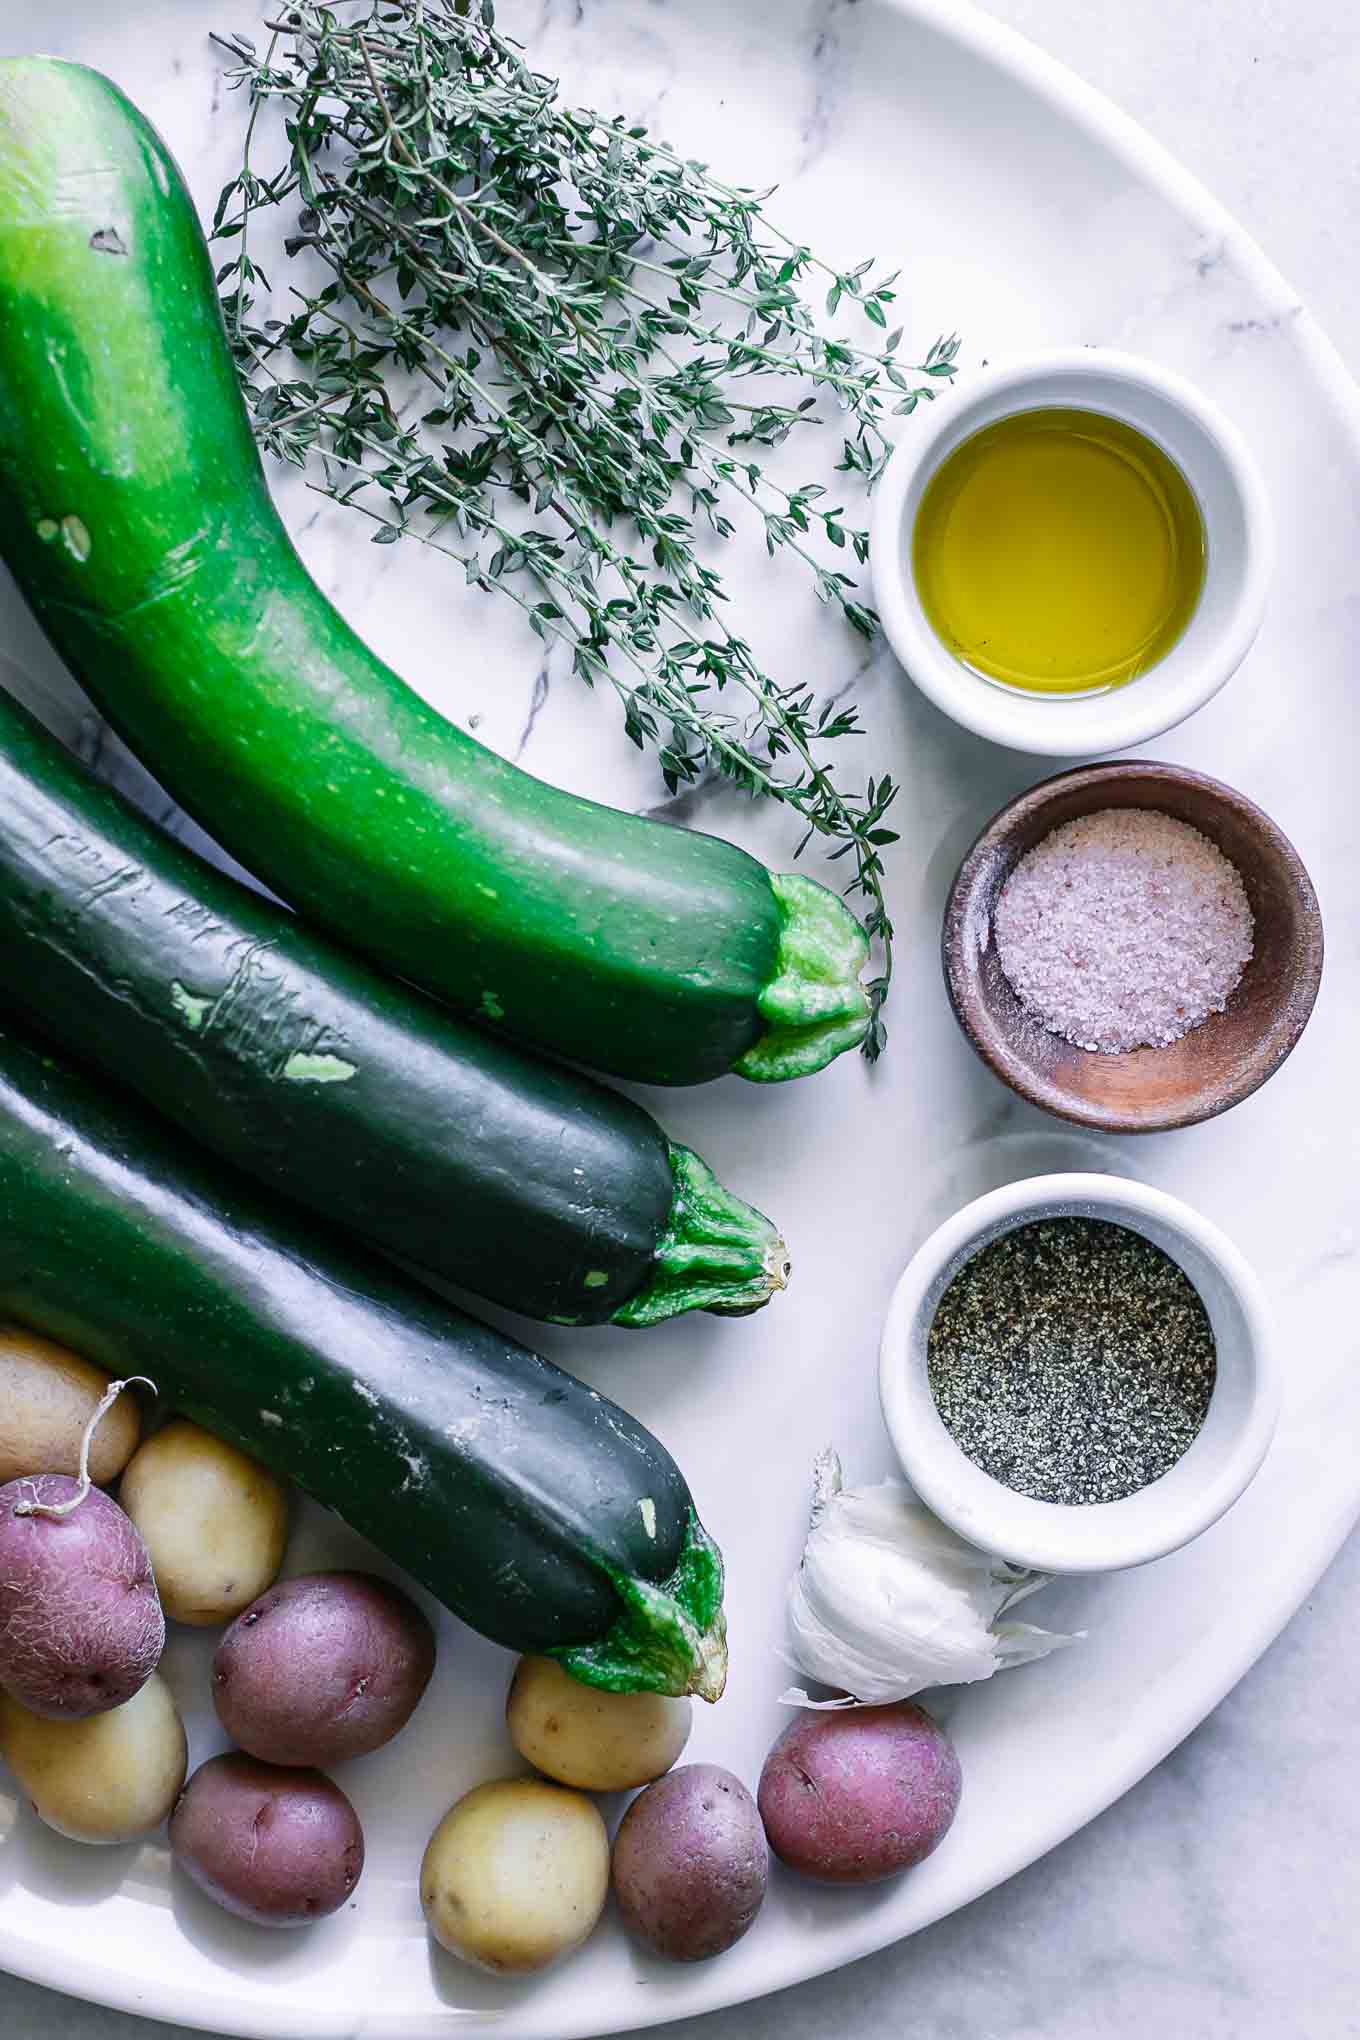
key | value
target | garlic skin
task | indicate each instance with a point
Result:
(888, 1601)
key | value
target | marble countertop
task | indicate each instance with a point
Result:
(1218, 1899)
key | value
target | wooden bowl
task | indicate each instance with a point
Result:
(1216, 1065)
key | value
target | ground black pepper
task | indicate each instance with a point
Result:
(1072, 1360)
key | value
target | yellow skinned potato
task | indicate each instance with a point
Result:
(213, 1520)
(108, 1778)
(515, 1876)
(596, 1741)
(47, 1396)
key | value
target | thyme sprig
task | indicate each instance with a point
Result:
(554, 345)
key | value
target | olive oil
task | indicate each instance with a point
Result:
(1059, 551)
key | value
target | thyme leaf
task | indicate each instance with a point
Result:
(538, 341)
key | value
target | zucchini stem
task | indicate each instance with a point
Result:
(717, 1253)
(814, 1006)
(670, 1638)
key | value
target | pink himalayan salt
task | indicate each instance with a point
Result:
(1123, 929)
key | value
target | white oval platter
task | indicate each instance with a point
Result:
(1026, 212)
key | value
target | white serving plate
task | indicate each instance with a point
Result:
(1027, 213)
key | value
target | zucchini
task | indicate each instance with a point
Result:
(136, 520)
(521, 1180)
(544, 1516)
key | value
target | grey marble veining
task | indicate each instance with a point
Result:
(1220, 1899)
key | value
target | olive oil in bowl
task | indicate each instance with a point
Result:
(1059, 551)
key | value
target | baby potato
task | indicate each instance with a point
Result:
(515, 1875)
(322, 1669)
(108, 1778)
(597, 1741)
(214, 1522)
(81, 1628)
(857, 1794)
(47, 1396)
(277, 1848)
(691, 1864)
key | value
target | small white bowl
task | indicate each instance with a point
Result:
(1239, 552)
(1096, 1537)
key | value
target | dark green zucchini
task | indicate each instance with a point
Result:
(135, 518)
(543, 1515)
(518, 1179)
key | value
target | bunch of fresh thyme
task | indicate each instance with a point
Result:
(532, 330)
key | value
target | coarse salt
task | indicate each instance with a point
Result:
(1123, 929)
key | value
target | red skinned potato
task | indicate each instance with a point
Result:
(81, 1628)
(279, 1848)
(855, 1795)
(690, 1863)
(322, 1668)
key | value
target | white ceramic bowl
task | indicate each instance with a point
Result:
(1239, 544)
(1100, 1537)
